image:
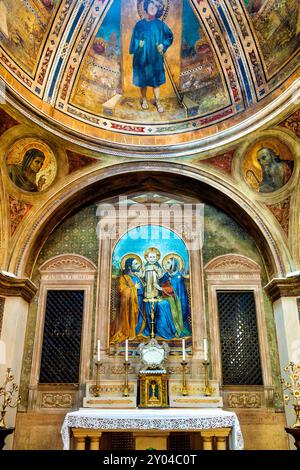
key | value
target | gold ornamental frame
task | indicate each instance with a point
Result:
(153, 390)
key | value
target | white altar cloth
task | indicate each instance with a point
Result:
(173, 419)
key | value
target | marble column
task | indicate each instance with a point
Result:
(17, 294)
(285, 294)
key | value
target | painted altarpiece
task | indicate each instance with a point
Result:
(107, 292)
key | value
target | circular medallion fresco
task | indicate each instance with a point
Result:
(268, 165)
(31, 165)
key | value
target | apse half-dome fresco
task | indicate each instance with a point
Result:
(148, 68)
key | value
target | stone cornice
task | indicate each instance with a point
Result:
(283, 287)
(17, 287)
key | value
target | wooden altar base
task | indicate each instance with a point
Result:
(210, 439)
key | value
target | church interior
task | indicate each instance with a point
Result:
(149, 225)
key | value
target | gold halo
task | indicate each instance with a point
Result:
(18, 150)
(251, 165)
(130, 255)
(141, 12)
(152, 248)
(173, 255)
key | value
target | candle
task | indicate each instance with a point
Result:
(183, 349)
(2, 353)
(126, 350)
(98, 350)
(205, 349)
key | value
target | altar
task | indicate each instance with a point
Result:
(152, 384)
(217, 429)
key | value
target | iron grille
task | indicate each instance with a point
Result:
(239, 338)
(121, 441)
(179, 441)
(62, 337)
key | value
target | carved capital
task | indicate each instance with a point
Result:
(68, 263)
(17, 287)
(283, 287)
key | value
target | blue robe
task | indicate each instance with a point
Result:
(165, 323)
(178, 284)
(163, 320)
(148, 63)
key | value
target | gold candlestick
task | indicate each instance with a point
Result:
(208, 390)
(291, 386)
(126, 388)
(7, 391)
(152, 315)
(95, 389)
(152, 336)
(184, 385)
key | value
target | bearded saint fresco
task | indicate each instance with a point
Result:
(275, 172)
(268, 166)
(146, 285)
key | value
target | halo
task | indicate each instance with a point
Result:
(141, 12)
(18, 150)
(152, 248)
(130, 255)
(173, 255)
(252, 167)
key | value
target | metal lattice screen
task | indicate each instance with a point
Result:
(239, 338)
(121, 441)
(179, 441)
(62, 337)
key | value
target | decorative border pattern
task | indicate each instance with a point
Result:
(74, 26)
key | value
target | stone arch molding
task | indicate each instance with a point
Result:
(119, 177)
(235, 265)
(68, 263)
